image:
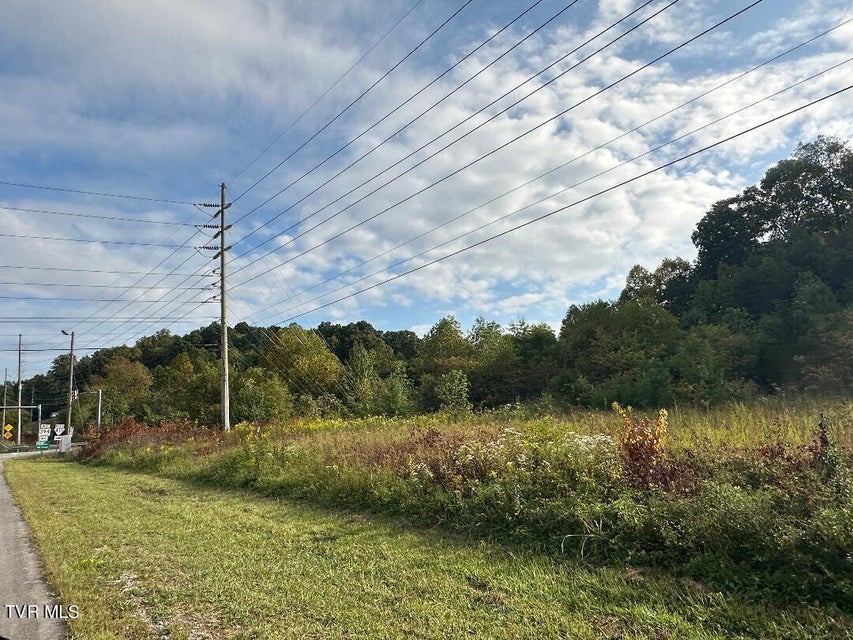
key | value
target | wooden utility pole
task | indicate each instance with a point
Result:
(70, 382)
(20, 388)
(5, 382)
(225, 392)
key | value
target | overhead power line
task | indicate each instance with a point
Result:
(94, 286)
(506, 144)
(616, 23)
(444, 132)
(107, 271)
(550, 196)
(356, 100)
(574, 204)
(90, 241)
(581, 156)
(403, 104)
(92, 193)
(328, 90)
(486, 155)
(95, 217)
(65, 319)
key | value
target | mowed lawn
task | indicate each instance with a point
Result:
(147, 557)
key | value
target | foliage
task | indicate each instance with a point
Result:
(641, 445)
(765, 309)
(168, 558)
(125, 388)
(395, 396)
(301, 357)
(452, 392)
(260, 396)
(752, 500)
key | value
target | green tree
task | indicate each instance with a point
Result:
(126, 388)
(825, 354)
(395, 396)
(361, 383)
(301, 357)
(812, 190)
(710, 366)
(617, 352)
(492, 375)
(444, 349)
(536, 355)
(452, 392)
(259, 396)
(729, 232)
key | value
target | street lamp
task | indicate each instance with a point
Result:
(70, 378)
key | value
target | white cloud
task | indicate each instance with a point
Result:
(167, 99)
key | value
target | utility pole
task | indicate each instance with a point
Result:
(225, 391)
(20, 388)
(100, 396)
(5, 382)
(70, 382)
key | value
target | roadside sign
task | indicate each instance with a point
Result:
(7, 432)
(64, 444)
(41, 446)
(44, 432)
(59, 429)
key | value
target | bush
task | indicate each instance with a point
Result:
(771, 519)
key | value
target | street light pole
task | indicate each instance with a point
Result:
(70, 380)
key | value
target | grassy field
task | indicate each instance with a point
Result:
(750, 499)
(153, 557)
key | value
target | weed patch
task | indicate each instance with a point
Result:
(772, 518)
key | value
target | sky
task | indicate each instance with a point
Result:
(371, 149)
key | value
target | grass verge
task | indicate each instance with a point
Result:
(770, 518)
(151, 557)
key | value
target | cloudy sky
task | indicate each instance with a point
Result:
(361, 140)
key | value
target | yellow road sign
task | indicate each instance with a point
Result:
(8, 427)
(8, 435)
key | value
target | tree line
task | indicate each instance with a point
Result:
(767, 306)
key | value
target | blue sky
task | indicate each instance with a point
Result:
(166, 100)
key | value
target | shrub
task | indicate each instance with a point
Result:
(452, 392)
(641, 446)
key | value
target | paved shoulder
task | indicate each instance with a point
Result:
(28, 610)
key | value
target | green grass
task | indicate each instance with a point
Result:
(748, 502)
(150, 557)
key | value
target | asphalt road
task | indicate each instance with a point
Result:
(26, 603)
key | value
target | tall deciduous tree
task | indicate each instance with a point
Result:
(301, 357)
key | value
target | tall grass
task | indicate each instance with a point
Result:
(750, 498)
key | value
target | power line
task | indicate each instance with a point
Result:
(493, 151)
(422, 43)
(400, 106)
(563, 190)
(87, 215)
(506, 144)
(152, 271)
(443, 133)
(88, 241)
(63, 299)
(575, 203)
(59, 349)
(579, 157)
(94, 286)
(351, 104)
(107, 271)
(92, 193)
(328, 90)
(166, 302)
(14, 319)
